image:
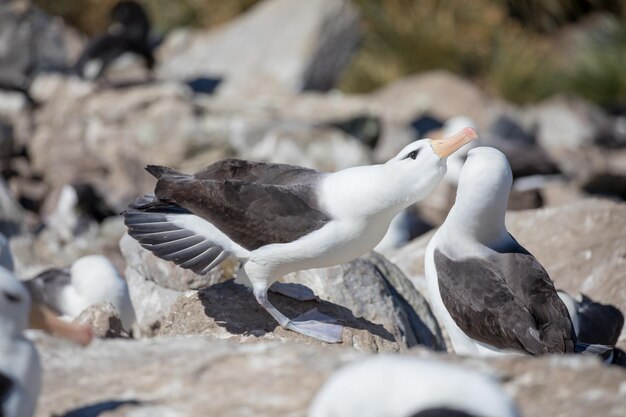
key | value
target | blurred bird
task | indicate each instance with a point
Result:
(281, 218)
(491, 294)
(129, 32)
(90, 280)
(594, 323)
(404, 386)
(20, 370)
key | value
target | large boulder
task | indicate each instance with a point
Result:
(277, 46)
(172, 376)
(374, 288)
(230, 311)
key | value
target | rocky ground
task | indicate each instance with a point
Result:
(205, 347)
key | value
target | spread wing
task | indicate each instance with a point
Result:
(507, 301)
(231, 207)
(252, 214)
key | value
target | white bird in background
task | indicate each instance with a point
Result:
(405, 386)
(281, 218)
(20, 370)
(90, 280)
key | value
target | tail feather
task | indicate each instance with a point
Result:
(159, 171)
(603, 351)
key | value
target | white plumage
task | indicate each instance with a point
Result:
(402, 386)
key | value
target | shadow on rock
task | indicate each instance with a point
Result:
(94, 410)
(234, 307)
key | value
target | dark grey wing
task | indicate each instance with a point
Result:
(6, 384)
(598, 323)
(148, 221)
(259, 172)
(47, 288)
(249, 213)
(532, 285)
(487, 309)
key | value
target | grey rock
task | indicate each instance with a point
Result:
(323, 148)
(171, 376)
(30, 42)
(230, 311)
(439, 93)
(103, 319)
(569, 123)
(49, 248)
(375, 289)
(277, 46)
(11, 213)
(155, 284)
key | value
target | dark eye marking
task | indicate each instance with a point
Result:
(413, 154)
(11, 297)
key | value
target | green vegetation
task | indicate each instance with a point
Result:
(520, 50)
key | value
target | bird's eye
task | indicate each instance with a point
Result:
(413, 154)
(11, 297)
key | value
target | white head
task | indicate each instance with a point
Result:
(421, 165)
(482, 194)
(14, 305)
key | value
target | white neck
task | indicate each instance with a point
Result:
(379, 190)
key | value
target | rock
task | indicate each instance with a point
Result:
(324, 149)
(582, 245)
(230, 311)
(124, 377)
(440, 93)
(30, 42)
(103, 319)
(11, 213)
(375, 289)
(33, 253)
(105, 137)
(155, 284)
(569, 123)
(277, 46)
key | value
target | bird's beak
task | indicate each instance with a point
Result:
(447, 146)
(44, 319)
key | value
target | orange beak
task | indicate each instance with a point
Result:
(42, 318)
(447, 146)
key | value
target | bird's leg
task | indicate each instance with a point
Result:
(296, 291)
(312, 323)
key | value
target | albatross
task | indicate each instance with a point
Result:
(280, 218)
(91, 279)
(20, 370)
(493, 296)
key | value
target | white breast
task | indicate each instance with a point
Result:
(20, 362)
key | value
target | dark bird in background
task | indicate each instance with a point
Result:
(129, 32)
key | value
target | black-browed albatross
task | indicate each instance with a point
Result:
(281, 218)
(492, 295)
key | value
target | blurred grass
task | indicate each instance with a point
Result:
(513, 48)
